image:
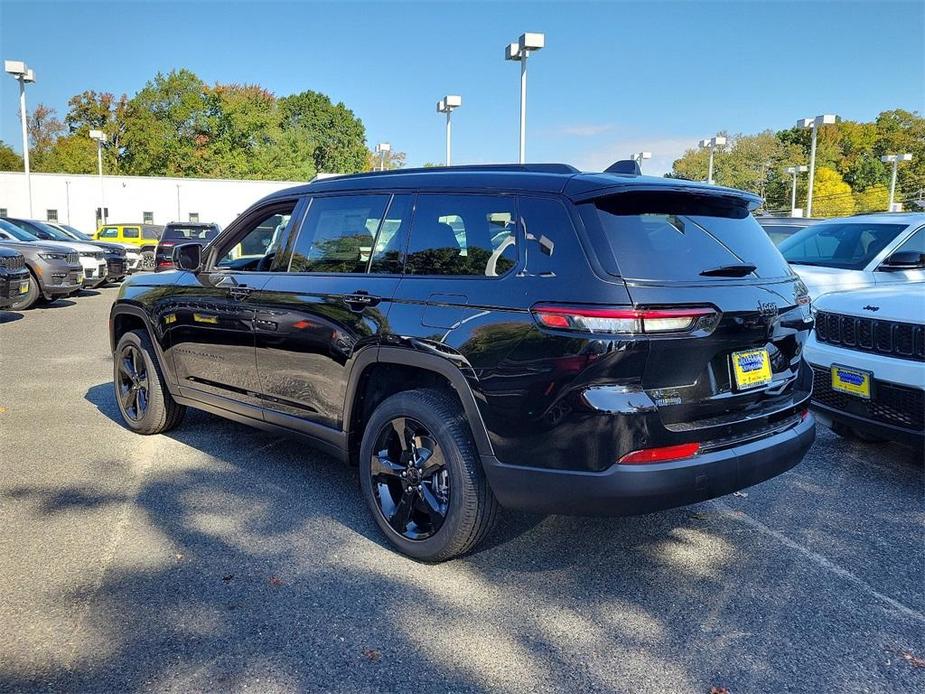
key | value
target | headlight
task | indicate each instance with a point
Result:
(53, 256)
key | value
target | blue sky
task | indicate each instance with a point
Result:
(614, 78)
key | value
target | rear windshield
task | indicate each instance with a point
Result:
(779, 233)
(845, 245)
(680, 236)
(193, 232)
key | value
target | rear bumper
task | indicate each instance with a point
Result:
(625, 490)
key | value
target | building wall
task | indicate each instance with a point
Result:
(76, 197)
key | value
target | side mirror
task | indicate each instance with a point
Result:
(904, 260)
(188, 256)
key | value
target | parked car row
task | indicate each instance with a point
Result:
(59, 260)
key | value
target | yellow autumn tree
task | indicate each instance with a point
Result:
(874, 199)
(832, 197)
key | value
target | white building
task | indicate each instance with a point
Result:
(74, 198)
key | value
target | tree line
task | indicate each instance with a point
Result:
(177, 125)
(850, 178)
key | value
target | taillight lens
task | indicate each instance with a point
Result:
(662, 454)
(622, 321)
(166, 244)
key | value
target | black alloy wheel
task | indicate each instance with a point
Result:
(410, 480)
(133, 386)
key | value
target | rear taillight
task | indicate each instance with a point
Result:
(166, 244)
(663, 454)
(624, 321)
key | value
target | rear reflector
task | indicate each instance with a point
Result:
(660, 455)
(620, 320)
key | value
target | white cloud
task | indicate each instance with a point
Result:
(585, 129)
(664, 152)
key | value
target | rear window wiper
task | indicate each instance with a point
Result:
(737, 270)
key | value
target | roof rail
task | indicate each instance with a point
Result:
(531, 168)
(624, 166)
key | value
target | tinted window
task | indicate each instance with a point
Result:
(779, 233)
(150, 232)
(462, 235)
(550, 237)
(130, 232)
(393, 233)
(109, 233)
(337, 234)
(15, 232)
(915, 244)
(199, 233)
(669, 236)
(847, 245)
(260, 243)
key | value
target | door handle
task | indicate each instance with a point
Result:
(361, 300)
(220, 279)
(239, 292)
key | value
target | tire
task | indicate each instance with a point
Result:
(149, 409)
(438, 425)
(31, 298)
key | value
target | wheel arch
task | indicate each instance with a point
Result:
(124, 318)
(396, 369)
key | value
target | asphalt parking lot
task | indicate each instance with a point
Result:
(219, 557)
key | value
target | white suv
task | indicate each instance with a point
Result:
(862, 251)
(868, 359)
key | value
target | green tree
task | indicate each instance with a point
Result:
(391, 160)
(167, 127)
(74, 153)
(243, 123)
(92, 110)
(339, 136)
(874, 199)
(44, 128)
(9, 160)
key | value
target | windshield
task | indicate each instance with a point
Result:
(16, 232)
(844, 245)
(190, 232)
(46, 232)
(684, 237)
(76, 233)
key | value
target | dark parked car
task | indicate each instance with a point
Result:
(54, 269)
(14, 277)
(177, 233)
(473, 337)
(782, 228)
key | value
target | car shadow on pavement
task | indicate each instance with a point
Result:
(246, 559)
(10, 316)
(56, 303)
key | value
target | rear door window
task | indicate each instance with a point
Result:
(679, 236)
(462, 235)
(193, 233)
(130, 232)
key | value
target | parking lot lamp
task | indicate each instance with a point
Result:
(381, 149)
(795, 171)
(813, 124)
(894, 159)
(100, 138)
(520, 51)
(24, 75)
(446, 105)
(639, 156)
(712, 144)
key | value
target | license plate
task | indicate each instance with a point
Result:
(88, 272)
(852, 381)
(751, 368)
(24, 288)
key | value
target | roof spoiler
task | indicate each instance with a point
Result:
(625, 166)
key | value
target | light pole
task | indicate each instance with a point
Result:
(894, 159)
(67, 198)
(446, 105)
(179, 218)
(381, 149)
(712, 144)
(24, 75)
(813, 124)
(795, 171)
(100, 138)
(638, 157)
(526, 44)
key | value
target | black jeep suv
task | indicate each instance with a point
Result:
(473, 337)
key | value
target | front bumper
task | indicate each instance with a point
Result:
(60, 280)
(626, 490)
